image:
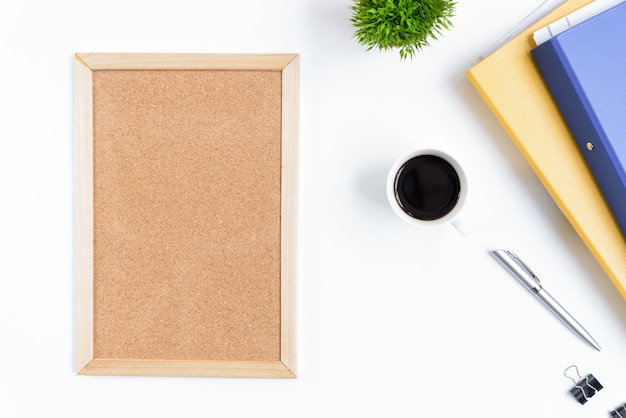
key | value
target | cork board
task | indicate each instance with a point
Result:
(185, 207)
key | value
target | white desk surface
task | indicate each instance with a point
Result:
(392, 321)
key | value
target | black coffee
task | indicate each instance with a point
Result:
(427, 187)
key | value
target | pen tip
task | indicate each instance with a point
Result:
(593, 343)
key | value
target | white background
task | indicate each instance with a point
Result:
(392, 321)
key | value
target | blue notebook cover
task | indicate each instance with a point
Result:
(584, 68)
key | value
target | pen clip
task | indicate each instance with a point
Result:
(523, 265)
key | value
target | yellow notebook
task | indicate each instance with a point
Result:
(512, 87)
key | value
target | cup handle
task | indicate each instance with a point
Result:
(462, 227)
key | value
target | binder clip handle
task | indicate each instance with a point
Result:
(566, 371)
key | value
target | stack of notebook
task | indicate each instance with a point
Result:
(513, 87)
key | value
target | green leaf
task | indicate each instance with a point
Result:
(406, 25)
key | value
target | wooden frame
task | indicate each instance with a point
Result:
(88, 359)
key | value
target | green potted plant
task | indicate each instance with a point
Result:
(406, 25)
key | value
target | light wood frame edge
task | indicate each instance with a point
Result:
(85, 64)
(151, 61)
(289, 192)
(83, 227)
(187, 368)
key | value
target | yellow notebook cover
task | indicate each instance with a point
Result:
(512, 87)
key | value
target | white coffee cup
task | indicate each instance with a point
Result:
(428, 188)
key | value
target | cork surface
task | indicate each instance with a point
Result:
(187, 168)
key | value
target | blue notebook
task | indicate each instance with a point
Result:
(584, 68)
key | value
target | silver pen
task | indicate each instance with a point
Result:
(525, 275)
